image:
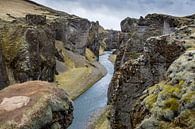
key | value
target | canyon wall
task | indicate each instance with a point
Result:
(46, 45)
(142, 60)
(28, 44)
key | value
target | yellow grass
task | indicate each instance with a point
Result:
(19, 8)
(104, 125)
(102, 122)
(72, 80)
(90, 55)
(101, 51)
(112, 58)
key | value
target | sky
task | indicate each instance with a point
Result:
(110, 13)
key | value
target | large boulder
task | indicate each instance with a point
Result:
(34, 105)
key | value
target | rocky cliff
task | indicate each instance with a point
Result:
(29, 42)
(39, 43)
(143, 58)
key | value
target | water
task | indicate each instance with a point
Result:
(94, 98)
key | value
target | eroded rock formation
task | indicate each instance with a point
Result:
(29, 50)
(29, 44)
(142, 61)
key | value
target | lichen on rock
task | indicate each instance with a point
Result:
(175, 99)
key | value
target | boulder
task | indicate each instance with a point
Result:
(34, 105)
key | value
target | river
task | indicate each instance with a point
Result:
(94, 98)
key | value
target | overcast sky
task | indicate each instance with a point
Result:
(110, 12)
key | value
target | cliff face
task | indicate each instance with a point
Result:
(142, 61)
(73, 32)
(170, 103)
(29, 50)
(29, 42)
(112, 39)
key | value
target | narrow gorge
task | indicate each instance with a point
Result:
(61, 71)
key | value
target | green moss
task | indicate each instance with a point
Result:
(189, 97)
(150, 100)
(171, 104)
(153, 88)
(169, 90)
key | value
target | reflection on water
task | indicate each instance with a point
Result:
(94, 98)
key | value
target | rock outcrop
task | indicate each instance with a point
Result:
(142, 61)
(29, 42)
(35, 105)
(72, 31)
(29, 50)
(170, 103)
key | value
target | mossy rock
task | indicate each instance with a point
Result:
(171, 104)
(150, 101)
(13, 42)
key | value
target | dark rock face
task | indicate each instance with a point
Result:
(128, 24)
(169, 104)
(135, 75)
(142, 61)
(34, 57)
(112, 39)
(73, 32)
(93, 38)
(3, 72)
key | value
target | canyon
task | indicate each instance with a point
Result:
(54, 71)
